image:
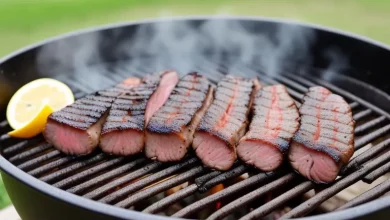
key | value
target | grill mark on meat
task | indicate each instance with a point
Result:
(327, 130)
(339, 107)
(274, 123)
(171, 129)
(326, 114)
(77, 111)
(172, 117)
(229, 108)
(224, 122)
(234, 110)
(75, 129)
(74, 117)
(123, 132)
(329, 124)
(83, 112)
(127, 111)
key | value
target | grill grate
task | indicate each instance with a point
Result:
(128, 182)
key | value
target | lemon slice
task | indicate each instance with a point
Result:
(35, 126)
(32, 102)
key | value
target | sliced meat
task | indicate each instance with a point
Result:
(171, 129)
(325, 139)
(225, 122)
(275, 121)
(76, 128)
(123, 132)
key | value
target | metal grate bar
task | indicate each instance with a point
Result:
(279, 201)
(253, 180)
(297, 95)
(284, 80)
(365, 156)
(177, 180)
(40, 148)
(201, 180)
(300, 189)
(124, 179)
(361, 142)
(112, 173)
(351, 96)
(171, 199)
(106, 176)
(308, 83)
(371, 194)
(60, 173)
(49, 166)
(78, 84)
(358, 116)
(312, 203)
(4, 137)
(123, 192)
(4, 124)
(368, 125)
(38, 160)
(88, 172)
(353, 105)
(377, 173)
(291, 83)
(300, 80)
(22, 145)
(243, 200)
(224, 177)
(181, 194)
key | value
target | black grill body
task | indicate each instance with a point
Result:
(365, 79)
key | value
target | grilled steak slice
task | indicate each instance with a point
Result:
(171, 130)
(225, 122)
(275, 121)
(76, 128)
(325, 139)
(123, 132)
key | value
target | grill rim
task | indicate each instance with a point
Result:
(112, 211)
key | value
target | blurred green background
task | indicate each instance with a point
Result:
(23, 22)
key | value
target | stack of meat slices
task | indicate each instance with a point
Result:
(76, 128)
(170, 131)
(225, 122)
(325, 139)
(275, 121)
(123, 132)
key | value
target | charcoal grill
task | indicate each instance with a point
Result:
(45, 184)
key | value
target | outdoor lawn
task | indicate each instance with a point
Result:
(23, 22)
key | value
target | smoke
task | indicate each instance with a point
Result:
(338, 61)
(182, 45)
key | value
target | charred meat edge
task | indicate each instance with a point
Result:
(129, 141)
(227, 146)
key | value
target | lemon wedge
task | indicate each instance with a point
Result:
(29, 107)
(35, 126)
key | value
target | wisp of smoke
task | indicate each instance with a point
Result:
(337, 62)
(185, 46)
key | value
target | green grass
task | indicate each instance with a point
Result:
(4, 199)
(23, 22)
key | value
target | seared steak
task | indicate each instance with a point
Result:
(325, 139)
(275, 121)
(123, 132)
(171, 129)
(225, 122)
(76, 128)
